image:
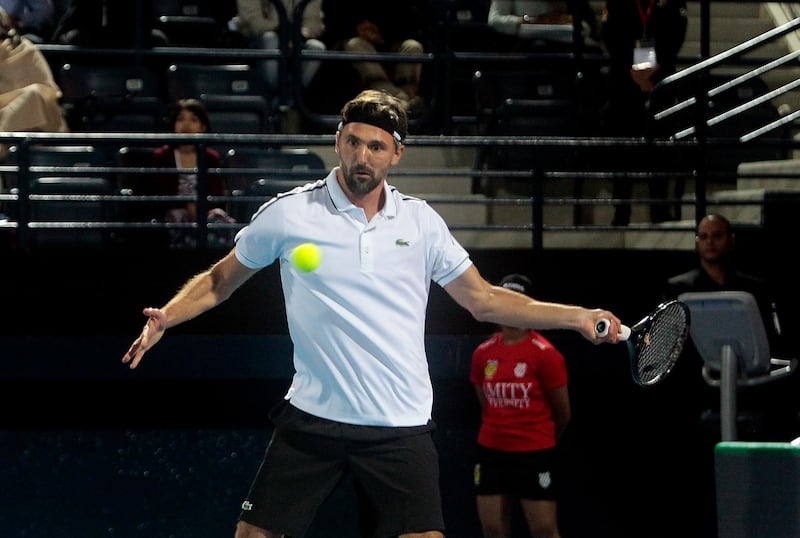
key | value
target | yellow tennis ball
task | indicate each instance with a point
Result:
(306, 257)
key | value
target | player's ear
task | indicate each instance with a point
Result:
(397, 154)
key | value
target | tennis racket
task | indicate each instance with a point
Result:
(655, 342)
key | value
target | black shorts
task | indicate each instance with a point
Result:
(525, 475)
(395, 472)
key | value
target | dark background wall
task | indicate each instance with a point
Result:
(94, 449)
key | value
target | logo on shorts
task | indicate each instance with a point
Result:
(247, 505)
(544, 480)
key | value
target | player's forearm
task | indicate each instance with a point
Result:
(206, 290)
(194, 298)
(544, 315)
(521, 311)
(502, 306)
(200, 294)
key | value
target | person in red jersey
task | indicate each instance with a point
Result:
(521, 382)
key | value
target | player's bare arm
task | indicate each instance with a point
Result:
(201, 293)
(496, 304)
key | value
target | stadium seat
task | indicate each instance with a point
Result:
(532, 103)
(76, 203)
(64, 170)
(267, 172)
(189, 22)
(234, 95)
(54, 160)
(111, 98)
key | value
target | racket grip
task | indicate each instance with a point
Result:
(602, 326)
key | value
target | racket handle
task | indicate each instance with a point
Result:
(602, 326)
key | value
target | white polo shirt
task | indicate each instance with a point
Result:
(358, 321)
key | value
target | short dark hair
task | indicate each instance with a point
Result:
(195, 106)
(379, 109)
(716, 216)
(518, 283)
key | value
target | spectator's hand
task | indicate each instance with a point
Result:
(6, 46)
(644, 78)
(151, 333)
(218, 214)
(369, 31)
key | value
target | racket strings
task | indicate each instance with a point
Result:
(661, 343)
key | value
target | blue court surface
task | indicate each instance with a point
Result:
(163, 483)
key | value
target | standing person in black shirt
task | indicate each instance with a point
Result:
(643, 39)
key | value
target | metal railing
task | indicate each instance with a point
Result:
(555, 196)
(538, 192)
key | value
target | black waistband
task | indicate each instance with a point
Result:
(285, 415)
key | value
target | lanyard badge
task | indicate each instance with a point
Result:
(644, 55)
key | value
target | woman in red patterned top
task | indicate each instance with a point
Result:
(189, 116)
(521, 382)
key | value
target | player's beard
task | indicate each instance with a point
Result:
(356, 184)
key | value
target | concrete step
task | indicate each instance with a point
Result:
(741, 206)
(464, 211)
(745, 204)
(677, 235)
(736, 29)
(788, 167)
(726, 10)
(731, 24)
(767, 51)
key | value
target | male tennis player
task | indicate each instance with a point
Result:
(361, 398)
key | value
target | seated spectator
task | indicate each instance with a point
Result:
(259, 24)
(189, 116)
(363, 26)
(34, 19)
(29, 95)
(542, 25)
